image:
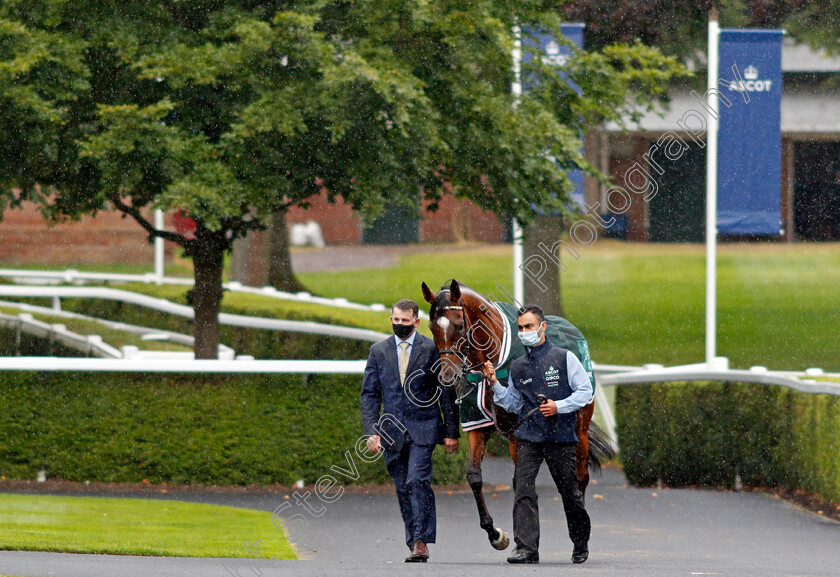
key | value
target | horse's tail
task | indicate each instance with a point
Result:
(601, 447)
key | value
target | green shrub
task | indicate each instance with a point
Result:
(705, 433)
(186, 428)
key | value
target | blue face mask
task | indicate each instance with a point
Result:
(530, 338)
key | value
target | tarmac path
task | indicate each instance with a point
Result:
(644, 532)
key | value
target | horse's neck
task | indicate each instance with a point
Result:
(482, 310)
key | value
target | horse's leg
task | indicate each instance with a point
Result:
(513, 444)
(584, 417)
(478, 444)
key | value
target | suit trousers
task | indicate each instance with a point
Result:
(411, 470)
(560, 458)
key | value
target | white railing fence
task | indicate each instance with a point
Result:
(57, 334)
(94, 345)
(72, 276)
(62, 292)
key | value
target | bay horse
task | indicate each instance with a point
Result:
(457, 314)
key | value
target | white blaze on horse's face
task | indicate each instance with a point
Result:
(443, 322)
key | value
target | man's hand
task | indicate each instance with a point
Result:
(488, 371)
(373, 444)
(548, 408)
(450, 445)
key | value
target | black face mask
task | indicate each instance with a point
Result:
(402, 331)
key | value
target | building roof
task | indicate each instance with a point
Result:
(804, 111)
(807, 107)
(801, 58)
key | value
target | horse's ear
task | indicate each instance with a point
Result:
(427, 293)
(455, 291)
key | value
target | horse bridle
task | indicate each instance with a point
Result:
(461, 354)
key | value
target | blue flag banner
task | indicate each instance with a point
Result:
(556, 53)
(750, 136)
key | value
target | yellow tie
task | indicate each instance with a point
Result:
(403, 361)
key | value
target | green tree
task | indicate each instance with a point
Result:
(679, 28)
(817, 24)
(235, 111)
(41, 77)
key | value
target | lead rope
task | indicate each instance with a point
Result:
(518, 423)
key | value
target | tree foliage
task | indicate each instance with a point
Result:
(679, 28)
(818, 24)
(231, 111)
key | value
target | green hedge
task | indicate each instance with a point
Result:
(185, 428)
(703, 433)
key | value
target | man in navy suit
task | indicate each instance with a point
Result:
(402, 375)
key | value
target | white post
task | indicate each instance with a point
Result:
(711, 191)
(518, 280)
(516, 89)
(159, 254)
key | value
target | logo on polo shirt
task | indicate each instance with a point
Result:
(552, 377)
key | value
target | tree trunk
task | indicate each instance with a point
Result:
(208, 258)
(280, 273)
(249, 259)
(542, 274)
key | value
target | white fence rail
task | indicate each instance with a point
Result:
(240, 365)
(162, 305)
(758, 375)
(76, 342)
(74, 276)
(57, 334)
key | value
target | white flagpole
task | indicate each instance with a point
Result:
(711, 190)
(516, 89)
(159, 252)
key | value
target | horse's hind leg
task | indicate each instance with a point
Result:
(478, 444)
(584, 417)
(513, 445)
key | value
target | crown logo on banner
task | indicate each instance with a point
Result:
(751, 72)
(552, 48)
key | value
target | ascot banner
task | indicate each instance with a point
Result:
(556, 54)
(750, 136)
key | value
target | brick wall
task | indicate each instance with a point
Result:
(455, 219)
(25, 237)
(339, 224)
(459, 219)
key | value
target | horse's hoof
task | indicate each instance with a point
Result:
(501, 542)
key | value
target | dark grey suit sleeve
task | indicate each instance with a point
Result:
(371, 397)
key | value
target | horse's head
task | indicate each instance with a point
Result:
(448, 323)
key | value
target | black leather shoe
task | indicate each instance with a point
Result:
(523, 557)
(580, 554)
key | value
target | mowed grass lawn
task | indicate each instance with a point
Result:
(778, 304)
(135, 527)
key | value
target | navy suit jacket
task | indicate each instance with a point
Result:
(423, 409)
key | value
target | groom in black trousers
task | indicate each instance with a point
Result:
(402, 376)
